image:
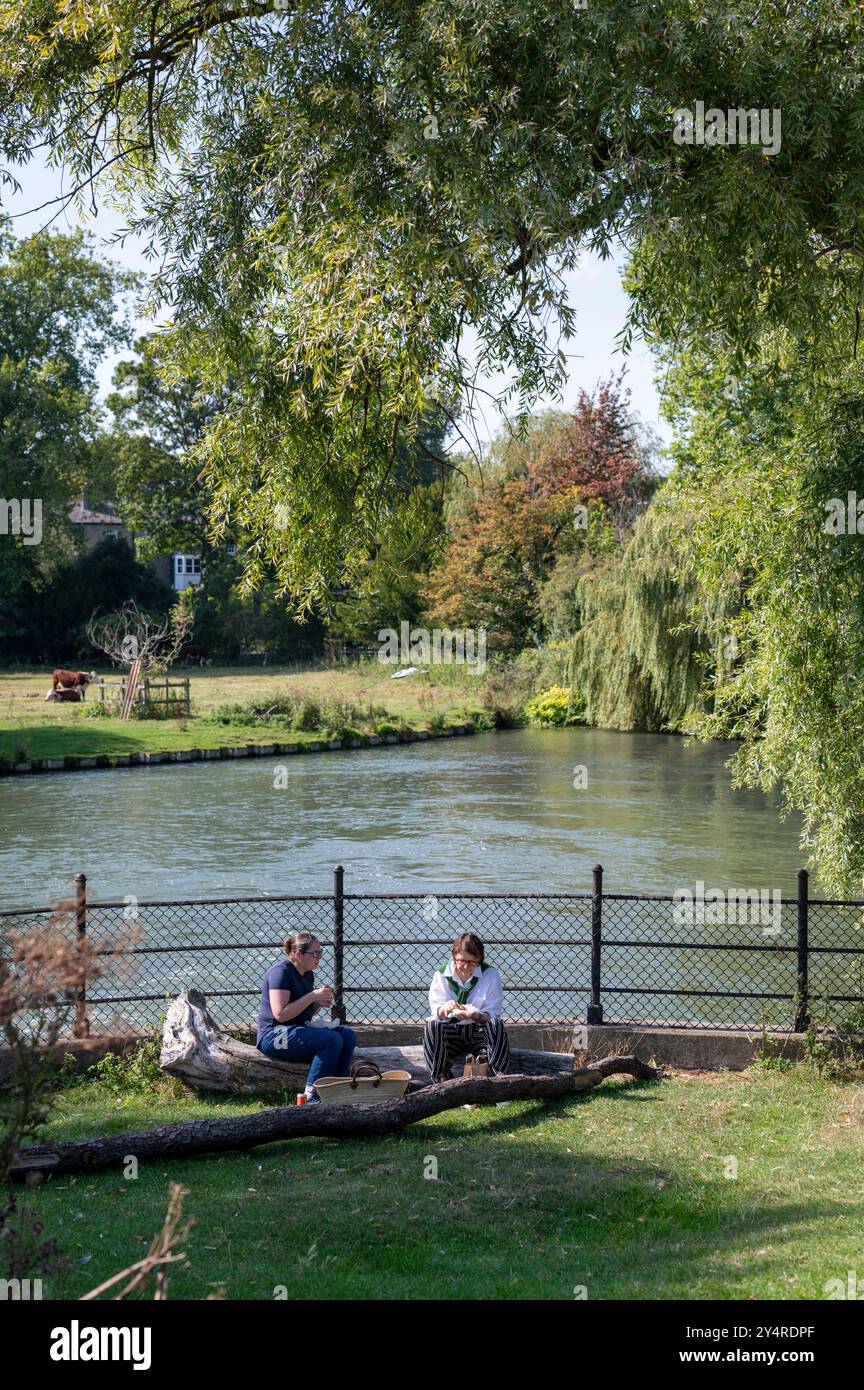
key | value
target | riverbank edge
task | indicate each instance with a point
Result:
(74, 763)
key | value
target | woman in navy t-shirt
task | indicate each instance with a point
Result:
(289, 1002)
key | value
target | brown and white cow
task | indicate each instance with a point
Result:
(193, 652)
(70, 680)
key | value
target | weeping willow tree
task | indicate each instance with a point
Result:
(640, 659)
(736, 611)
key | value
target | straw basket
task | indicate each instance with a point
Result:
(356, 1089)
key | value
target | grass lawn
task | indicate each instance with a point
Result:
(621, 1190)
(40, 729)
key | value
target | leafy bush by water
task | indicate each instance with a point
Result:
(558, 706)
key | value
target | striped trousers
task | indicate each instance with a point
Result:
(444, 1041)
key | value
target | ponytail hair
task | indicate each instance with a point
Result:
(300, 938)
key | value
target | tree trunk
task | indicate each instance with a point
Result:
(300, 1122)
(202, 1054)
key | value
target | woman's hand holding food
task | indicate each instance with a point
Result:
(323, 996)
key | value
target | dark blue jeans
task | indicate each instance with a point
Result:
(329, 1049)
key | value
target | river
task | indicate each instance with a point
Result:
(525, 811)
(494, 812)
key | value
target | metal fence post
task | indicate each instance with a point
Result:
(802, 992)
(82, 1024)
(338, 1010)
(595, 1008)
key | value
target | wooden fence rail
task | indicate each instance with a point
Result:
(148, 694)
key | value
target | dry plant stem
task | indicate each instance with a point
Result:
(42, 972)
(159, 1256)
(293, 1122)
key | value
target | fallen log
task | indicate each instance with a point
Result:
(206, 1057)
(301, 1122)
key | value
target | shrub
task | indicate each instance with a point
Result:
(336, 711)
(483, 720)
(276, 709)
(307, 716)
(139, 1073)
(108, 710)
(559, 705)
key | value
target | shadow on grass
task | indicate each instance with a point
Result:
(86, 738)
(495, 1121)
(504, 1218)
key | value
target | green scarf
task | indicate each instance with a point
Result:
(462, 991)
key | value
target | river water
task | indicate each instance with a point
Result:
(494, 812)
(526, 811)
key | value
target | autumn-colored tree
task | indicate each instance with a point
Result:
(598, 452)
(500, 552)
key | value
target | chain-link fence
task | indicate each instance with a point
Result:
(564, 957)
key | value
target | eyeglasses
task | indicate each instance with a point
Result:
(465, 960)
(308, 951)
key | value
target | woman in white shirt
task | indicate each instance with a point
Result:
(465, 1004)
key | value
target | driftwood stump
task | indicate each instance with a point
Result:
(201, 1053)
(301, 1122)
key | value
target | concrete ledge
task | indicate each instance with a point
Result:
(690, 1049)
(695, 1049)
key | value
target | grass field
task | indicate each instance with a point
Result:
(38, 729)
(623, 1191)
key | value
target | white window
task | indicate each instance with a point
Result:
(231, 548)
(187, 570)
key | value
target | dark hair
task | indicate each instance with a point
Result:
(300, 938)
(469, 943)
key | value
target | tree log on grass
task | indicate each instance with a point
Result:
(198, 1051)
(321, 1121)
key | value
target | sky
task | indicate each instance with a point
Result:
(594, 290)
